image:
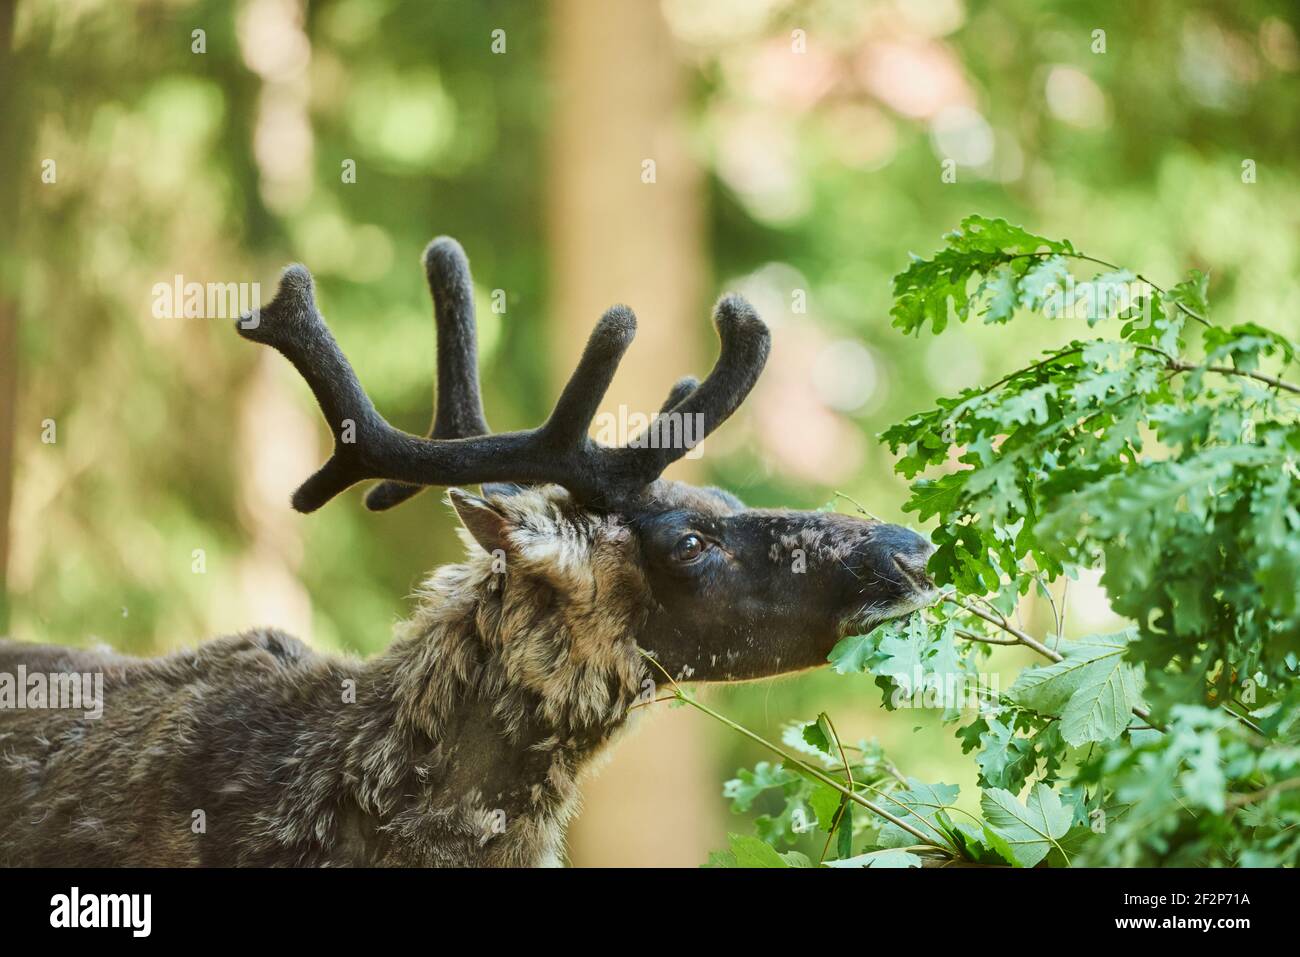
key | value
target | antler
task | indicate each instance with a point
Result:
(459, 449)
(458, 405)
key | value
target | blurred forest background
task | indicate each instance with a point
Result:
(798, 150)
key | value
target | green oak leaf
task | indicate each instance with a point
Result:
(819, 734)
(1093, 689)
(919, 806)
(1005, 759)
(885, 857)
(851, 654)
(1024, 833)
(825, 802)
(751, 852)
(748, 785)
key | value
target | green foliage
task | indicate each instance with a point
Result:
(1024, 834)
(1093, 689)
(1161, 454)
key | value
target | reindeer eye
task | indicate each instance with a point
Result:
(689, 548)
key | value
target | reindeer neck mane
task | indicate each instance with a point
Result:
(499, 702)
(562, 662)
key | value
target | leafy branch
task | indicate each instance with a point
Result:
(1019, 637)
(846, 790)
(1165, 461)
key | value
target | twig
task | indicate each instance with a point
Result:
(644, 704)
(858, 506)
(1244, 720)
(1065, 594)
(1031, 642)
(972, 636)
(1054, 357)
(1176, 364)
(1051, 600)
(848, 771)
(789, 759)
(1241, 800)
(1276, 383)
(1138, 276)
(837, 820)
(1022, 638)
(896, 774)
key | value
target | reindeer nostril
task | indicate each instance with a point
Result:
(906, 551)
(912, 561)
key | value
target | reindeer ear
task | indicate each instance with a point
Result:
(481, 519)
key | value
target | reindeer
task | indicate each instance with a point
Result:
(587, 577)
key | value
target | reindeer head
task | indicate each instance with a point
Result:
(711, 589)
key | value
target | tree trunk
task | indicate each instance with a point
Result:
(275, 439)
(616, 237)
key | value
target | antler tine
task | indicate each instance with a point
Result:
(680, 390)
(745, 342)
(459, 410)
(580, 401)
(292, 325)
(458, 405)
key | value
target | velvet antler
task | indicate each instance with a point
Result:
(459, 449)
(458, 404)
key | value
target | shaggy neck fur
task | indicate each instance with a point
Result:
(476, 724)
